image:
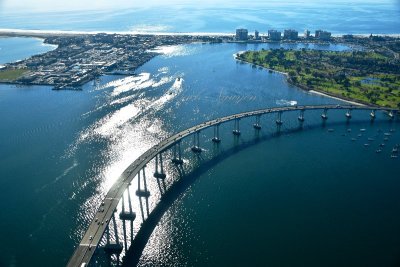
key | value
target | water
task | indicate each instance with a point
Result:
(14, 49)
(61, 151)
(312, 198)
(363, 17)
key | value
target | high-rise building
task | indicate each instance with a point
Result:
(290, 34)
(274, 35)
(242, 34)
(323, 35)
(256, 35)
(307, 34)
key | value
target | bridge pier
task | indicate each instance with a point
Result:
(257, 125)
(139, 192)
(391, 115)
(113, 247)
(301, 116)
(127, 215)
(372, 114)
(236, 130)
(348, 114)
(279, 118)
(196, 143)
(159, 174)
(324, 115)
(177, 159)
(216, 138)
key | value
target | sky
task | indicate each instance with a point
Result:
(52, 5)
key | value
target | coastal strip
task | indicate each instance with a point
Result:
(369, 76)
(309, 91)
(81, 58)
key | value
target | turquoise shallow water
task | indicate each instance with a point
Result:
(60, 151)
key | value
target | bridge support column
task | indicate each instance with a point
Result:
(216, 138)
(113, 247)
(196, 142)
(177, 159)
(139, 192)
(324, 115)
(373, 115)
(159, 170)
(127, 215)
(279, 118)
(391, 114)
(348, 114)
(257, 125)
(301, 115)
(236, 130)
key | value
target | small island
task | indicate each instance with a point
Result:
(367, 75)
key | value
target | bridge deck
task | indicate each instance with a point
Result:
(94, 233)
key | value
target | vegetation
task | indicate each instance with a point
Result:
(10, 75)
(363, 76)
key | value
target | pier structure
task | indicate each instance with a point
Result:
(257, 125)
(301, 115)
(216, 138)
(103, 234)
(236, 130)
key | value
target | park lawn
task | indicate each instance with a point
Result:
(11, 75)
(360, 80)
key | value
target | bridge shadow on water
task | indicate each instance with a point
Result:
(170, 195)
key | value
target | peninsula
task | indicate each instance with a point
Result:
(81, 57)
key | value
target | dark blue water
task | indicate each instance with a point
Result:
(61, 151)
(340, 17)
(312, 198)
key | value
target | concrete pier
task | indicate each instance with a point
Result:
(159, 168)
(196, 143)
(279, 118)
(236, 130)
(128, 215)
(348, 113)
(373, 116)
(257, 125)
(142, 192)
(301, 115)
(177, 154)
(216, 138)
(324, 115)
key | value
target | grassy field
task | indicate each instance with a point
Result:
(366, 77)
(11, 75)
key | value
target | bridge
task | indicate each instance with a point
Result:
(98, 232)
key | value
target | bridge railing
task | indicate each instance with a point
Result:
(103, 230)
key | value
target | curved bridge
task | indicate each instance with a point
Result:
(105, 214)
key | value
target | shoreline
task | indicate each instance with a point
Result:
(50, 33)
(46, 33)
(335, 97)
(311, 91)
